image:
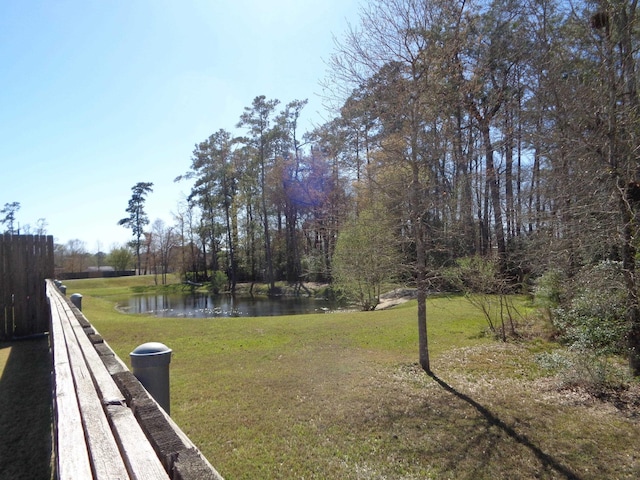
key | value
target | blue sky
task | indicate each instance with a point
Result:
(97, 95)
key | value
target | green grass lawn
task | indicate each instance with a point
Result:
(340, 395)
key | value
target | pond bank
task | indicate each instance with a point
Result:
(395, 297)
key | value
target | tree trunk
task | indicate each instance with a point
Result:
(463, 187)
(629, 268)
(421, 281)
(508, 175)
(231, 247)
(492, 179)
(265, 223)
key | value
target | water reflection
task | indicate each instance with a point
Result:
(200, 305)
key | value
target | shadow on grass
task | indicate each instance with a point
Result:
(25, 409)
(547, 460)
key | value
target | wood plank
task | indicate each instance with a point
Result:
(19, 327)
(142, 461)
(72, 455)
(99, 400)
(104, 452)
(105, 387)
(44, 247)
(4, 287)
(30, 320)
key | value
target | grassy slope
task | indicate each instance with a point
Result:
(339, 396)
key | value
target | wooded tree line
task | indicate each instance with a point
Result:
(507, 128)
(504, 129)
(265, 206)
(493, 128)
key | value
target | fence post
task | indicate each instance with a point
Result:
(76, 299)
(150, 364)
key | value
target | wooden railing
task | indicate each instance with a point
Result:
(106, 424)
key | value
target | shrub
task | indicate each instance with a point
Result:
(593, 319)
(588, 314)
(476, 274)
(366, 257)
(218, 281)
(583, 369)
(486, 288)
(548, 291)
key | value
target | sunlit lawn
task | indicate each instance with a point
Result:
(339, 395)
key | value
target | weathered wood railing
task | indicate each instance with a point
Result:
(106, 424)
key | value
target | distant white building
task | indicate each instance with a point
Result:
(105, 268)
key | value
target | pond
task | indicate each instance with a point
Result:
(201, 305)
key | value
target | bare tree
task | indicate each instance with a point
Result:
(394, 54)
(162, 247)
(76, 257)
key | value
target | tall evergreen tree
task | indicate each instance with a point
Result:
(258, 119)
(137, 219)
(214, 169)
(9, 212)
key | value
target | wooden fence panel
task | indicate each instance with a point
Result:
(4, 289)
(25, 262)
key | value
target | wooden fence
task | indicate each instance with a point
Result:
(25, 262)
